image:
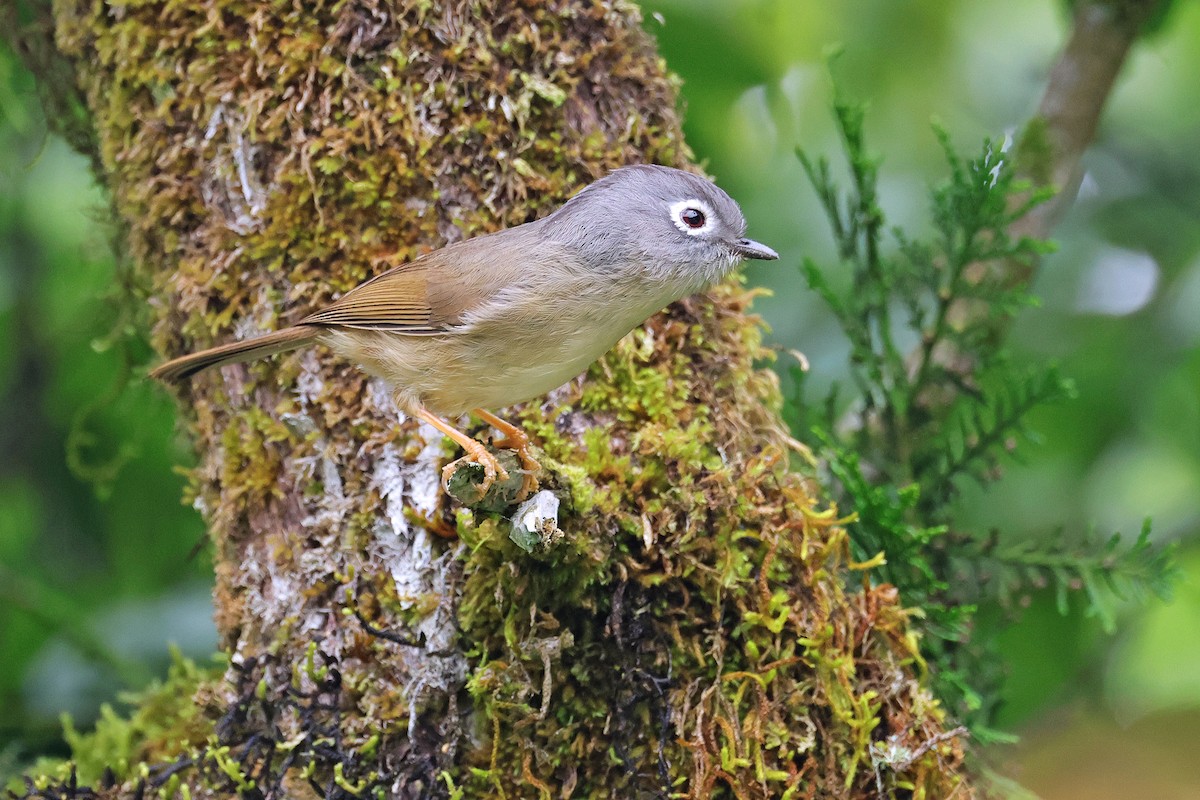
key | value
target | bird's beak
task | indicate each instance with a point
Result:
(748, 248)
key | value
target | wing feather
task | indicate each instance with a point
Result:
(397, 300)
(439, 291)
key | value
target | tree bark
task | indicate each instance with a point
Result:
(683, 629)
(1050, 152)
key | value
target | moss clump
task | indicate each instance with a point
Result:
(167, 720)
(691, 636)
(1035, 152)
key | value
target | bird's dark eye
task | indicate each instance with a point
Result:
(692, 217)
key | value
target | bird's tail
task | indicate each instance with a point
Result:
(282, 341)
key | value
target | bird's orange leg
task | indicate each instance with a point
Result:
(476, 452)
(518, 440)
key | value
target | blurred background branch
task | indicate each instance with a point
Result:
(27, 26)
(1077, 90)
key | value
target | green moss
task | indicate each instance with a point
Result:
(166, 720)
(692, 601)
(1035, 152)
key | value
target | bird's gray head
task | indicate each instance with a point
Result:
(670, 224)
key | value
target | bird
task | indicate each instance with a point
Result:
(505, 317)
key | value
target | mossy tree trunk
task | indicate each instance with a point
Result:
(685, 632)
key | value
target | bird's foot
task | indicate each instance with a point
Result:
(517, 440)
(476, 454)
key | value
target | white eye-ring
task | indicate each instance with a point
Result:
(693, 216)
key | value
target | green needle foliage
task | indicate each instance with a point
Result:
(936, 401)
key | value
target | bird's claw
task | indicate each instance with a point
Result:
(492, 469)
(529, 468)
(517, 440)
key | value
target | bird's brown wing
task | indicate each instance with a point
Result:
(435, 292)
(397, 300)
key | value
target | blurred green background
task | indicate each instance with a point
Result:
(95, 573)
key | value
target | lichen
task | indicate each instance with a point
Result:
(690, 634)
